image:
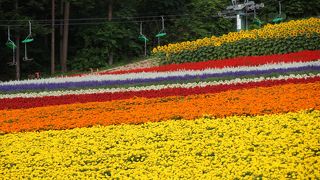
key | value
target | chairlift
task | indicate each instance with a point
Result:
(144, 39)
(278, 18)
(10, 44)
(162, 32)
(27, 40)
(256, 20)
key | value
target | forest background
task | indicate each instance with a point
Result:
(101, 34)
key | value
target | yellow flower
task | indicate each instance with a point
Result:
(270, 146)
(287, 29)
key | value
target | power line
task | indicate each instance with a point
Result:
(94, 19)
(99, 21)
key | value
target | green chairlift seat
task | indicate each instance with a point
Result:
(277, 20)
(27, 40)
(257, 21)
(10, 44)
(280, 17)
(161, 34)
(143, 38)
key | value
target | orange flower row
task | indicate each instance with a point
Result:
(262, 100)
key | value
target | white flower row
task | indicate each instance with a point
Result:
(152, 75)
(154, 87)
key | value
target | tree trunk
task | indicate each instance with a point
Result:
(110, 62)
(18, 48)
(110, 11)
(52, 36)
(61, 32)
(65, 37)
(110, 7)
(18, 57)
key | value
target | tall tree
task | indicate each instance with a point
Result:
(110, 12)
(18, 57)
(18, 47)
(61, 30)
(52, 37)
(201, 20)
(110, 9)
(65, 37)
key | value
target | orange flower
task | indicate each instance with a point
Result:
(276, 99)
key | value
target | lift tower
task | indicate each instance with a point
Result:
(240, 11)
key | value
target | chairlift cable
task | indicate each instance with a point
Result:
(93, 21)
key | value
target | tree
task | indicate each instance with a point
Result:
(291, 9)
(63, 61)
(202, 21)
(18, 47)
(116, 39)
(17, 14)
(52, 37)
(110, 13)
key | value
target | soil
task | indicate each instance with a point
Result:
(136, 65)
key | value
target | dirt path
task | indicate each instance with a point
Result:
(140, 64)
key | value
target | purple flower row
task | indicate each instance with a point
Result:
(88, 84)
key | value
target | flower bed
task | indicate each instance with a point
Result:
(148, 92)
(271, 147)
(292, 28)
(302, 56)
(260, 100)
(272, 79)
(271, 39)
(157, 77)
(253, 117)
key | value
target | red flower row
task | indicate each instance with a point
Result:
(302, 56)
(19, 103)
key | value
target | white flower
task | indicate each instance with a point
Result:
(156, 87)
(152, 75)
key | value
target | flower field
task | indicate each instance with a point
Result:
(284, 30)
(270, 146)
(254, 117)
(270, 39)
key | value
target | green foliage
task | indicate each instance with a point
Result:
(200, 21)
(245, 47)
(291, 9)
(90, 58)
(102, 40)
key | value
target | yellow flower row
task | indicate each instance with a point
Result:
(270, 146)
(289, 29)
